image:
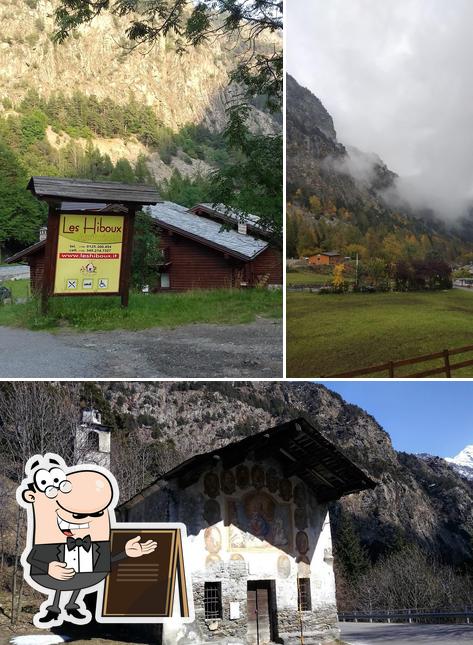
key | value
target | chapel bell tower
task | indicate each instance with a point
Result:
(92, 439)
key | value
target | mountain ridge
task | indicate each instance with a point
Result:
(340, 197)
(424, 502)
(182, 88)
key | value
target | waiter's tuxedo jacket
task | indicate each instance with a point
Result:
(42, 554)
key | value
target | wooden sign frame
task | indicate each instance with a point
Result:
(50, 256)
(178, 580)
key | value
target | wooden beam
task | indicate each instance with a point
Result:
(127, 251)
(50, 252)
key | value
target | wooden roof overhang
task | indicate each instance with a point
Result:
(55, 190)
(301, 449)
(201, 240)
(38, 247)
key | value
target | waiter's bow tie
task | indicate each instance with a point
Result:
(73, 542)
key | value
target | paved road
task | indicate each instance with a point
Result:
(250, 350)
(405, 634)
(14, 271)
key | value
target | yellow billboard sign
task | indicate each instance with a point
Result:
(89, 254)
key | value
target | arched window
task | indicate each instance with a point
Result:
(92, 441)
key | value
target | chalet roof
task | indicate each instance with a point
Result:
(84, 190)
(230, 213)
(38, 247)
(298, 445)
(201, 229)
(329, 253)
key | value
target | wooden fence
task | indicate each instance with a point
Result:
(390, 368)
(432, 616)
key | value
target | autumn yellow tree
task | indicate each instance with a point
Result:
(338, 279)
(315, 205)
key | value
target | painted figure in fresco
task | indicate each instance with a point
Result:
(257, 521)
(68, 542)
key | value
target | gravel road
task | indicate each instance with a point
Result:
(384, 634)
(207, 351)
(15, 271)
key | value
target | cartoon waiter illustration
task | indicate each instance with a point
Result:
(68, 543)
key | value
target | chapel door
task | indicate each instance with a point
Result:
(259, 612)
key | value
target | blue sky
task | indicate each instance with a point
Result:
(420, 416)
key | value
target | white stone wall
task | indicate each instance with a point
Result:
(100, 457)
(213, 556)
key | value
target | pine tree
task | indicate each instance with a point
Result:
(351, 555)
(21, 214)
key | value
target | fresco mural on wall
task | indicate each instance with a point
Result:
(257, 521)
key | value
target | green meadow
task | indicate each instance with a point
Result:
(330, 334)
(307, 278)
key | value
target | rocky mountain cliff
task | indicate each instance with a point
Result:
(182, 89)
(417, 499)
(354, 190)
(97, 60)
(317, 161)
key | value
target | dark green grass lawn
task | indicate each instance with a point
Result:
(308, 277)
(330, 334)
(219, 306)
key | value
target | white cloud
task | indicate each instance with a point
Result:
(396, 76)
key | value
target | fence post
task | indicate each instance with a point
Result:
(446, 358)
(391, 369)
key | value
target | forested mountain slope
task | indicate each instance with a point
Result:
(96, 107)
(338, 197)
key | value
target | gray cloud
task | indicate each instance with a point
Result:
(396, 75)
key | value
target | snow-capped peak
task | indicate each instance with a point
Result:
(463, 462)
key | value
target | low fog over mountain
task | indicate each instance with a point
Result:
(396, 77)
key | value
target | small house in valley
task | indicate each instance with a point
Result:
(258, 536)
(326, 258)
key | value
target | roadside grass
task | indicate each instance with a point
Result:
(19, 288)
(220, 306)
(333, 333)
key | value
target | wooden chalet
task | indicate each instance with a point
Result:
(201, 251)
(204, 247)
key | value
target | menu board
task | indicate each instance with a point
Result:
(151, 587)
(89, 254)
